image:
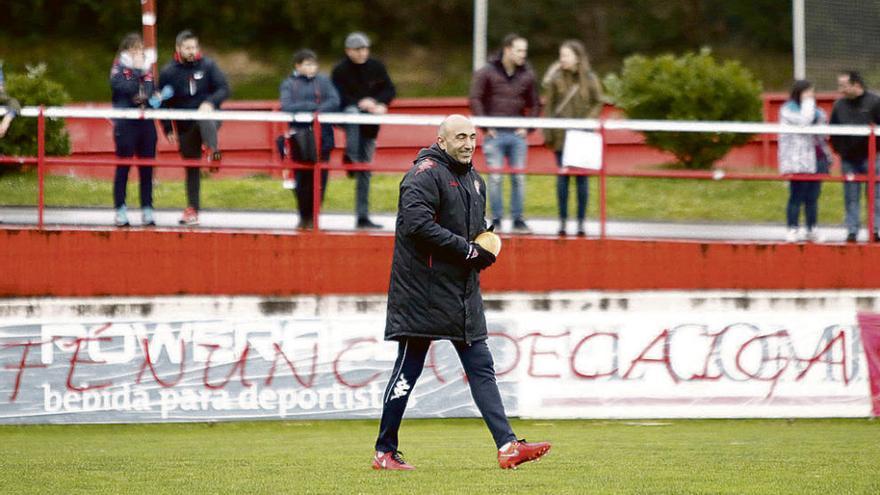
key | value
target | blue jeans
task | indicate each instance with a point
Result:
(359, 150)
(480, 370)
(581, 188)
(852, 192)
(506, 144)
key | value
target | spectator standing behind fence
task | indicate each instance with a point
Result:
(858, 106)
(196, 83)
(506, 87)
(305, 90)
(803, 154)
(364, 87)
(572, 91)
(131, 84)
(10, 104)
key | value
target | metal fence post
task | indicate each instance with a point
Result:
(316, 175)
(603, 198)
(872, 184)
(41, 165)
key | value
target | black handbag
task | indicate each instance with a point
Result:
(302, 145)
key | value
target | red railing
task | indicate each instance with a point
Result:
(42, 162)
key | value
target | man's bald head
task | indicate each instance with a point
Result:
(457, 136)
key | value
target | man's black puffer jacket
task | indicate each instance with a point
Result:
(434, 291)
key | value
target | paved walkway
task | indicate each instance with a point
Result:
(102, 218)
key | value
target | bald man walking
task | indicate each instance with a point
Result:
(435, 290)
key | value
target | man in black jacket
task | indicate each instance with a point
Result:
(196, 83)
(857, 107)
(435, 289)
(364, 87)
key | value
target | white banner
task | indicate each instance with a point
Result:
(585, 358)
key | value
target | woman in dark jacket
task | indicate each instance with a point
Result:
(572, 91)
(131, 83)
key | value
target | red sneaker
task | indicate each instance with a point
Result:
(190, 217)
(520, 451)
(391, 461)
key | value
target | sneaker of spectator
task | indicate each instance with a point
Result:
(147, 216)
(791, 235)
(520, 227)
(190, 217)
(121, 219)
(581, 229)
(215, 158)
(366, 223)
(813, 235)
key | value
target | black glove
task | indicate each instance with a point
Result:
(479, 258)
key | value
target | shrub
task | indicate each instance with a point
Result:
(691, 87)
(35, 88)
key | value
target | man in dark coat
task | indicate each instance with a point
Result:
(435, 289)
(506, 87)
(364, 88)
(195, 82)
(857, 106)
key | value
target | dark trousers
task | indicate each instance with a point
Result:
(480, 369)
(305, 179)
(806, 193)
(190, 135)
(134, 138)
(581, 188)
(305, 194)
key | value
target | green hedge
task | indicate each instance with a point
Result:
(34, 89)
(690, 87)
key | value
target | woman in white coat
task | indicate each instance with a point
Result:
(803, 154)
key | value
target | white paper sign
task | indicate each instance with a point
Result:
(582, 149)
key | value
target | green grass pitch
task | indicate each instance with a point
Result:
(452, 456)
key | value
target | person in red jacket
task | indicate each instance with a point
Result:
(506, 87)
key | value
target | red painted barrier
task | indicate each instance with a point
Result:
(145, 263)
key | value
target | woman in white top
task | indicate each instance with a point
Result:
(802, 154)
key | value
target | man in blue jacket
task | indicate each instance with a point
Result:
(196, 83)
(435, 290)
(305, 90)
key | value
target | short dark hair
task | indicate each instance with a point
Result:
(509, 40)
(855, 77)
(302, 55)
(184, 35)
(130, 40)
(798, 88)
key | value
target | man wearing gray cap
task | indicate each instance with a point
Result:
(364, 87)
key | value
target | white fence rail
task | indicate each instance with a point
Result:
(434, 120)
